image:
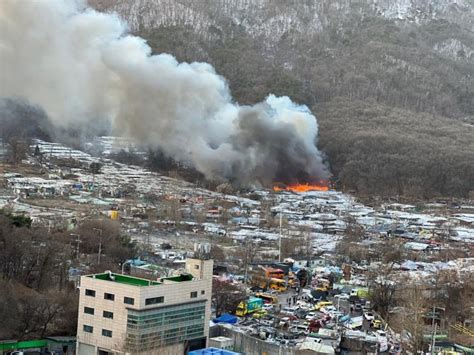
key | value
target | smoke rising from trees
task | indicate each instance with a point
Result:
(82, 68)
(20, 119)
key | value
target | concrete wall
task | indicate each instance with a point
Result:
(251, 346)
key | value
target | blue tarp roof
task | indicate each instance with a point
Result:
(226, 318)
(136, 262)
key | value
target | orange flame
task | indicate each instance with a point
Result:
(302, 187)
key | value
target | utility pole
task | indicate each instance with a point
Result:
(78, 242)
(434, 326)
(246, 261)
(279, 241)
(433, 339)
(100, 244)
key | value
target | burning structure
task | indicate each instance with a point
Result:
(321, 185)
(84, 69)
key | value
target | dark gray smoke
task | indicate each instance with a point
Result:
(278, 147)
(20, 119)
(84, 69)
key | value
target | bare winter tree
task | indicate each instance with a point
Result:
(296, 245)
(37, 299)
(226, 296)
(247, 253)
(39, 314)
(217, 253)
(225, 189)
(17, 149)
(415, 304)
(382, 289)
(172, 211)
(104, 235)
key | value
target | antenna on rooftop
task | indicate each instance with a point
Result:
(202, 251)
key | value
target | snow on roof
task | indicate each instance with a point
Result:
(464, 217)
(463, 235)
(416, 246)
(316, 347)
(324, 242)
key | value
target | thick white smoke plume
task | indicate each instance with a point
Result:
(82, 67)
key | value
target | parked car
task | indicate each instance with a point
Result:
(337, 314)
(376, 324)
(301, 313)
(369, 316)
(329, 309)
(301, 329)
(289, 311)
(267, 306)
(321, 304)
(259, 314)
(310, 315)
(266, 322)
(342, 296)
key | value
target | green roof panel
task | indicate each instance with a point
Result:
(125, 279)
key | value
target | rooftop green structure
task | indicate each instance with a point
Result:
(125, 279)
(137, 281)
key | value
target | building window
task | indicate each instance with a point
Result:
(108, 314)
(165, 325)
(203, 292)
(154, 300)
(88, 328)
(107, 333)
(128, 300)
(109, 296)
(89, 310)
(194, 294)
(90, 293)
(196, 267)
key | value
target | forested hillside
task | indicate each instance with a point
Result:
(391, 82)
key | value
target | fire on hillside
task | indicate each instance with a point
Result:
(321, 185)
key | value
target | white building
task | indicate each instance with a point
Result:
(120, 314)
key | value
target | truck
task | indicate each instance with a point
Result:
(277, 285)
(273, 273)
(267, 298)
(268, 278)
(322, 284)
(249, 306)
(293, 281)
(357, 293)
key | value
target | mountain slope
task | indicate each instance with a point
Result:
(401, 69)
